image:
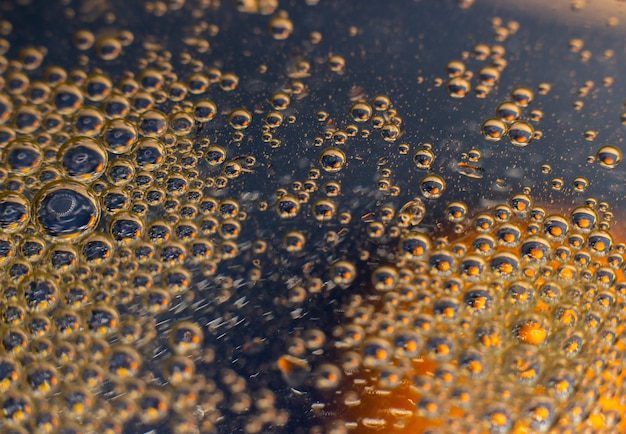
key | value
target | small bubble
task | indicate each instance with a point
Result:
(280, 26)
(332, 159)
(432, 186)
(240, 119)
(520, 133)
(458, 87)
(522, 96)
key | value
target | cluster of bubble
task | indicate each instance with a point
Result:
(114, 217)
(518, 324)
(105, 222)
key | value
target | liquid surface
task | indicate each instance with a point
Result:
(301, 216)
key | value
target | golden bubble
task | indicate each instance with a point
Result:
(361, 111)
(240, 119)
(332, 159)
(520, 133)
(280, 26)
(458, 87)
(522, 96)
(609, 156)
(432, 186)
(493, 129)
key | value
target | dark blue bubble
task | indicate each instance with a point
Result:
(83, 157)
(23, 156)
(14, 212)
(66, 210)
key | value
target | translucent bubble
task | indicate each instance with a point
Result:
(376, 353)
(599, 243)
(118, 135)
(332, 159)
(67, 98)
(120, 171)
(126, 227)
(16, 82)
(522, 96)
(361, 111)
(149, 153)
(66, 210)
(455, 68)
(423, 158)
(384, 278)
(108, 48)
(42, 378)
(185, 337)
(508, 111)
(102, 320)
(432, 186)
(83, 39)
(152, 123)
(240, 119)
(23, 156)
(96, 249)
(26, 119)
(441, 263)
(14, 212)
(280, 26)
(608, 156)
(493, 129)
(520, 133)
(458, 87)
(287, 206)
(583, 219)
(336, 63)
(83, 158)
(488, 75)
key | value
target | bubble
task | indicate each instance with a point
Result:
(16, 407)
(119, 135)
(14, 212)
(508, 111)
(108, 48)
(83, 39)
(149, 153)
(120, 171)
(280, 26)
(493, 129)
(66, 210)
(332, 159)
(67, 98)
(423, 158)
(185, 337)
(522, 96)
(458, 87)
(102, 320)
(336, 63)
(240, 119)
(608, 156)
(23, 156)
(152, 123)
(432, 186)
(40, 294)
(96, 249)
(126, 227)
(520, 133)
(83, 158)
(294, 241)
(287, 206)
(455, 68)
(376, 353)
(488, 75)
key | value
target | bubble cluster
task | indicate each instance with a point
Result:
(222, 217)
